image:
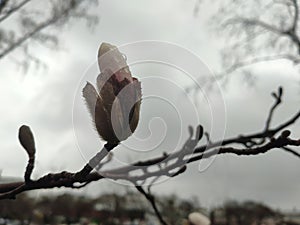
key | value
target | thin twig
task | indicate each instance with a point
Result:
(152, 201)
(287, 149)
(94, 162)
(254, 22)
(277, 102)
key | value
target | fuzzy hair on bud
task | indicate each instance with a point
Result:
(115, 104)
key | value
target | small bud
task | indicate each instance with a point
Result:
(280, 91)
(26, 139)
(200, 132)
(285, 133)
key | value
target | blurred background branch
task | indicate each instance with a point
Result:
(255, 32)
(23, 24)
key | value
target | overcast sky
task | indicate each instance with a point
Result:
(48, 100)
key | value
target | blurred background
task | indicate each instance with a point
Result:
(48, 47)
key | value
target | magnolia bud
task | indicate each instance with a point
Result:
(115, 106)
(26, 139)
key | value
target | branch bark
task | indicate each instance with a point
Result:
(172, 164)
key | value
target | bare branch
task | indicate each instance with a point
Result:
(66, 179)
(255, 22)
(261, 59)
(13, 10)
(273, 30)
(242, 64)
(32, 23)
(256, 60)
(281, 141)
(151, 199)
(171, 165)
(277, 102)
(94, 162)
(287, 149)
(3, 3)
(30, 34)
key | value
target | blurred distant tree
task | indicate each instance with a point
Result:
(255, 32)
(114, 208)
(175, 209)
(20, 209)
(60, 208)
(247, 213)
(26, 23)
(68, 207)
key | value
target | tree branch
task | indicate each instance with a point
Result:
(171, 165)
(290, 32)
(291, 151)
(30, 28)
(3, 3)
(94, 162)
(151, 199)
(256, 60)
(242, 64)
(30, 34)
(277, 102)
(13, 10)
(280, 142)
(255, 22)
